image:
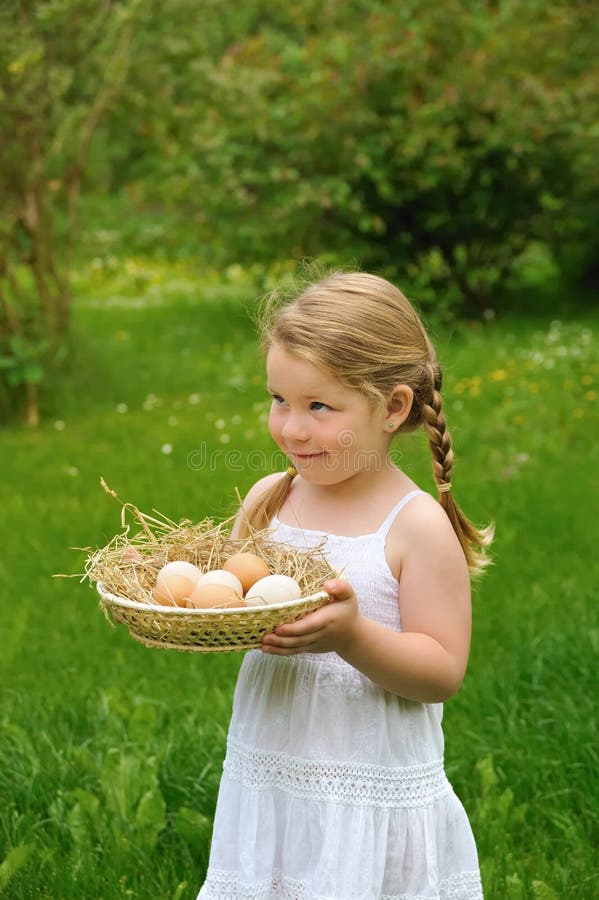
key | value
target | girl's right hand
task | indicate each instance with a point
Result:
(328, 629)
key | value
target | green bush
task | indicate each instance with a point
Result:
(431, 141)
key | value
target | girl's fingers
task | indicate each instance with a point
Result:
(313, 621)
(339, 589)
(290, 645)
(288, 636)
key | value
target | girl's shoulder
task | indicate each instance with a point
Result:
(422, 530)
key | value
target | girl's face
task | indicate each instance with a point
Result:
(329, 432)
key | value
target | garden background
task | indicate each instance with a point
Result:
(162, 166)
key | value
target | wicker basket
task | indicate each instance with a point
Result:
(204, 630)
(125, 584)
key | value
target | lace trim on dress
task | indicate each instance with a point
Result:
(221, 884)
(352, 783)
(461, 886)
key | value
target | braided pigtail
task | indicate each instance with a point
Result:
(260, 512)
(473, 540)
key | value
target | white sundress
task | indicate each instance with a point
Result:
(332, 787)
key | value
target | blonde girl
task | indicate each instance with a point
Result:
(333, 784)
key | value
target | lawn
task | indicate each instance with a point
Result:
(111, 752)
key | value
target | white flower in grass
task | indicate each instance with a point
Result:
(73, 471)
(59, 425)
(220, 424)
(151, 401)
(167, 449)
(122, 408)
(194, 399)
(224, 438)
(236, 420)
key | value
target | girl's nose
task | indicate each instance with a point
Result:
(295, 429)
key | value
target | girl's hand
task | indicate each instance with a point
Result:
(327, 629)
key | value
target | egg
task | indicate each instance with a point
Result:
(206, 596)
(248, 567)
(173, 590)
(273, 589)
(219, 576)
(179, 567)
(130, 556)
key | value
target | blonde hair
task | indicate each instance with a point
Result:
(361, 329)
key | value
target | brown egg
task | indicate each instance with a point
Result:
(206, 596)
(248, 567)
(173, 590)
(131, 555)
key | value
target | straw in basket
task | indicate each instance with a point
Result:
(125, 571)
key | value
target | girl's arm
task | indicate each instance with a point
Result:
(427, 660)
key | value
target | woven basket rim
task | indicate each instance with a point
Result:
(212, 611)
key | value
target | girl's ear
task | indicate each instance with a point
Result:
(400, 404)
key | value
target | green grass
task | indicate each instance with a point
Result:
(110, 753)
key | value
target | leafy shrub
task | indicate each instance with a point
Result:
(431, 141)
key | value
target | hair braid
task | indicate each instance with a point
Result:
(265, 506)
(439, 439)
(472, 539)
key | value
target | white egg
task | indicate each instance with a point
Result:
(219, 576)
(273, 589)
(179, 567)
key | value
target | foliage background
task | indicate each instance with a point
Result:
(441, 144)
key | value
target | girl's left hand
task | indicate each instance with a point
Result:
(326, 629)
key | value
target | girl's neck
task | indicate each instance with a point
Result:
(354, 506)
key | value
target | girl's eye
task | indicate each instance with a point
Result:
(277, 399)
(318, 406)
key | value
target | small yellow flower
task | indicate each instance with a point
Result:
(591, 395)
(578, 413)
(474, 390)
(499, 375)
(533, 388)
(587, 379)
(518, 420)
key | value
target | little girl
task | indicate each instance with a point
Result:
(333, 785)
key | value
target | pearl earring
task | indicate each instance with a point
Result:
(390, 425)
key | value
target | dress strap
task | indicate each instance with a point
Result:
(384, 528)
